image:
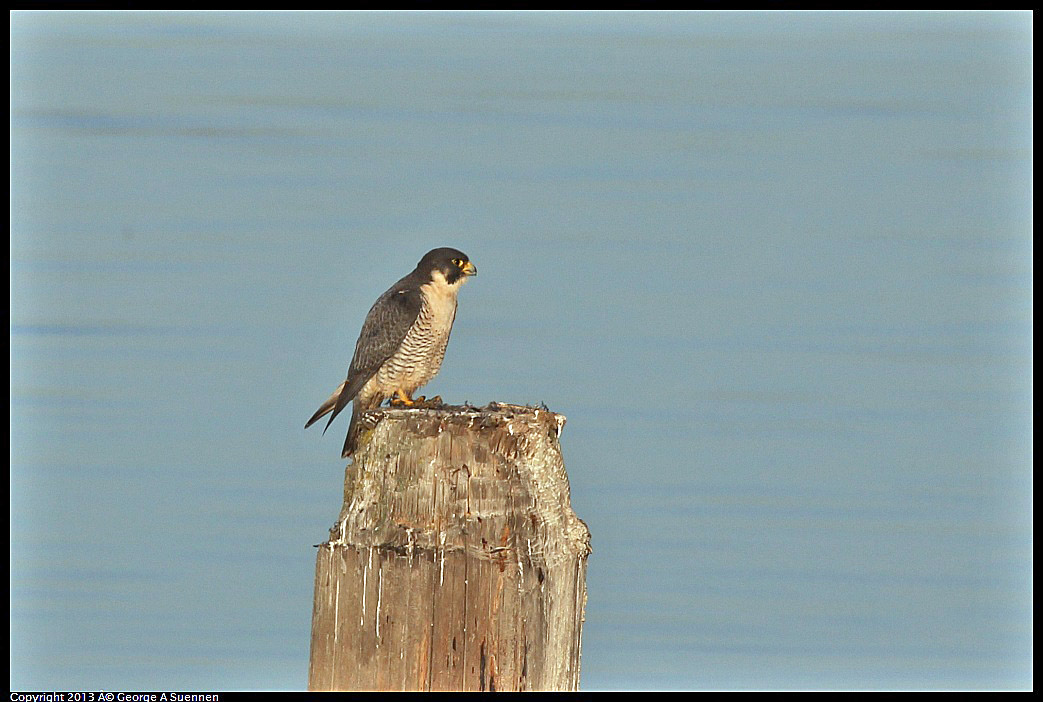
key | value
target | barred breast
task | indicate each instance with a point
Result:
(419, 358)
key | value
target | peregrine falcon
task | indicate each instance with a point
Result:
(402, 342)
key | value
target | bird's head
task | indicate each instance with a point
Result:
(451, 265)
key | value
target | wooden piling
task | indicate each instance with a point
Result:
(457, 562)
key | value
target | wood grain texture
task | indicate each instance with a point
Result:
(457, 562)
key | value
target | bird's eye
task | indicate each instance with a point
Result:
(458, 263)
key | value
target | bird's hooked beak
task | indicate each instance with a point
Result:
(469, 269)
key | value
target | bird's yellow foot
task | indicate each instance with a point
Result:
(401, 399)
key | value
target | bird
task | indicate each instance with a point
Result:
(402, 342)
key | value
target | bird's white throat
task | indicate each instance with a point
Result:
(439, 287)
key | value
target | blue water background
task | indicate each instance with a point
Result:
(776, 270)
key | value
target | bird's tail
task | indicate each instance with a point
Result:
(351, 441)
(326, 407)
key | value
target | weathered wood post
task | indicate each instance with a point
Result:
(457, 562)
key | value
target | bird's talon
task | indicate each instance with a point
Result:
(401, 399)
